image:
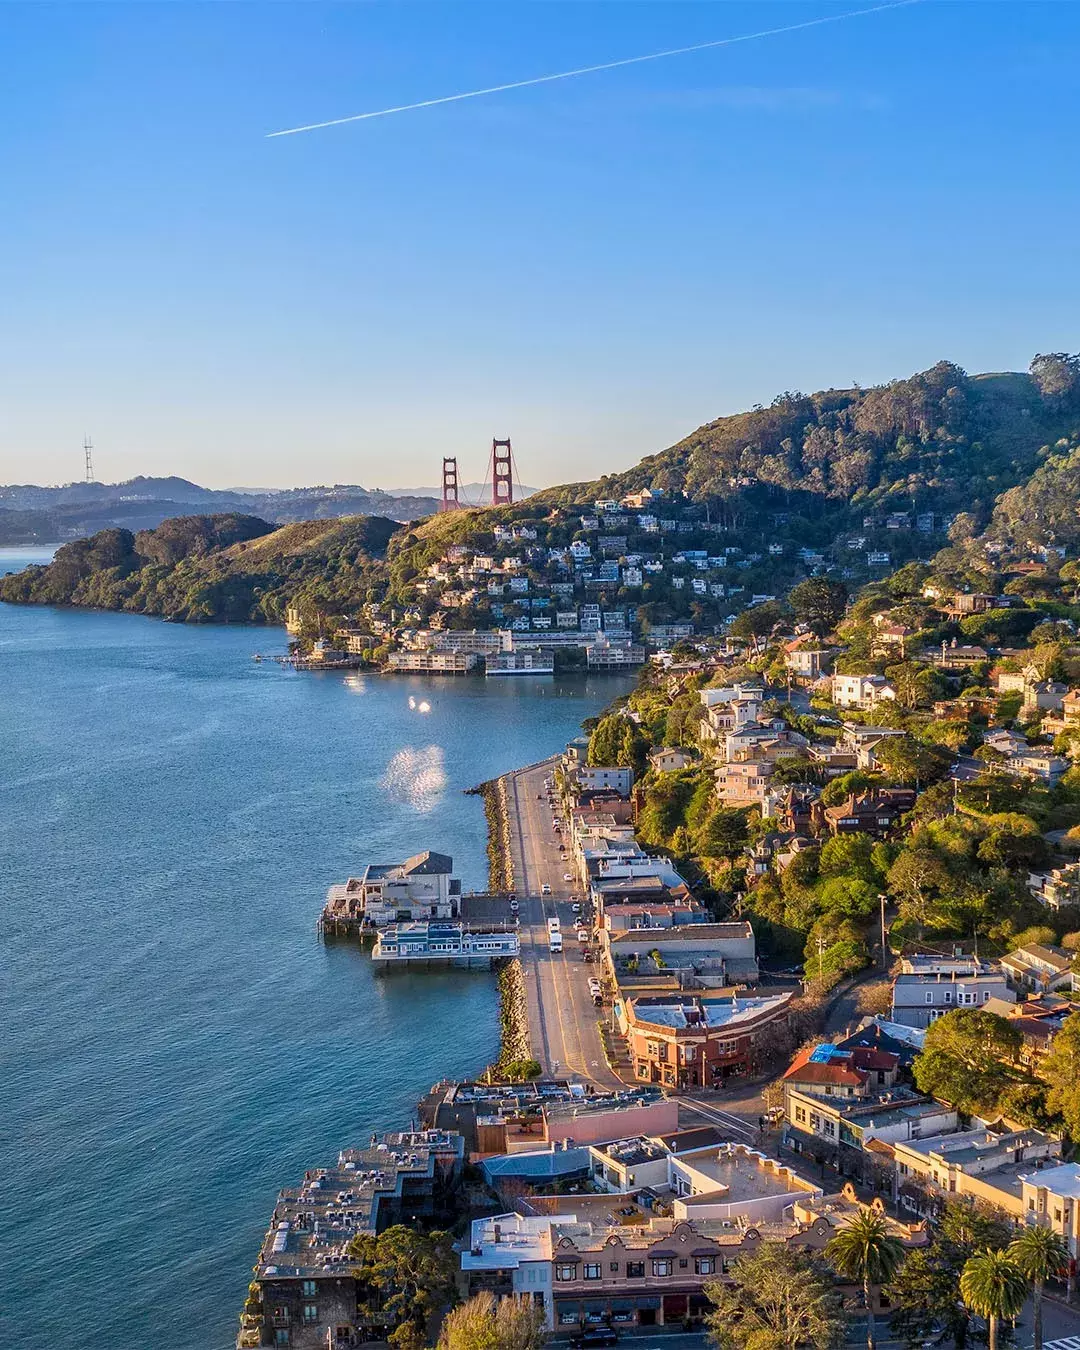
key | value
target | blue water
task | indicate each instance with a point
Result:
(176, 1042)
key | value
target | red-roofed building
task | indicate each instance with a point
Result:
(828, 1071)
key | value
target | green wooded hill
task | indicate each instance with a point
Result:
(943, 439)
(223, 568)
(996, 451)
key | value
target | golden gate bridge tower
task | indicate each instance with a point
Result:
(450, 499)
(502, 473)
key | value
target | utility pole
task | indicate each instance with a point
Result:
(884, 949)
(88, 451)
(821, 959)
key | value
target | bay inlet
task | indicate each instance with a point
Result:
(178, 1044)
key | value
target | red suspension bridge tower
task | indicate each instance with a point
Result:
(502, 473)
(450, 499)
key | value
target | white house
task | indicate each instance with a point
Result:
(861, 691)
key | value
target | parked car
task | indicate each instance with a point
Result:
(575, 908)
(566, 876)
(594, 1336)
(513, 906)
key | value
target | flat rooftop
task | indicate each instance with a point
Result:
(604, 1211)
(1063, 1180)
(710, 1012)
(631, 1152)
(562, 1108)
(745, 1176)
(698, 932)
(313, 1223)
(964, 1147)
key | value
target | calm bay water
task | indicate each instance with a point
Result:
(176, 1043)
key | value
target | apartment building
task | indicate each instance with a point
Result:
(480, 641)
(918, 1000)
(981, 1163)
(602, 778)
(1050, 1197)
(805, 661)
(432, 661)
(309, 1296)
(1058, 888)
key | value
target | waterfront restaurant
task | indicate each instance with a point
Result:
(690, 1040)
(405, 943)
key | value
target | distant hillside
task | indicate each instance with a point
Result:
(939, 441)
(220, 568)
(31, 514)
(856, 482)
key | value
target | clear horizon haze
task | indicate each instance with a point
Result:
(592, 266)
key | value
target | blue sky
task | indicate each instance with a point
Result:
(591, 267)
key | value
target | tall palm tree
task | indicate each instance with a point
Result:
(1039, 1253)
(994, 1287)
(865, 1251)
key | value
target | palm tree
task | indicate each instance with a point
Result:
(994, 1287)
(1038, 1253)
(866, 1252)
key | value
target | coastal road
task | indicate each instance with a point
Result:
(562, 1015)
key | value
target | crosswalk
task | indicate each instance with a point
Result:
(1066, 1343)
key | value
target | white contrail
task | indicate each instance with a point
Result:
(592, 70)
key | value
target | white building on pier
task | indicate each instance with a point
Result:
(403, 943)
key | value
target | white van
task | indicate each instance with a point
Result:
(555, 941)
(553, 924)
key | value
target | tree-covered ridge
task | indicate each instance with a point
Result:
(1044, 510)
(227, 568)
(944, 439)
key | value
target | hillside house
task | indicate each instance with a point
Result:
(877, 812)
(743, 784)
(861, 691)
(1057, 889)
(1044, 696)
(1038, 968)
(670, 759)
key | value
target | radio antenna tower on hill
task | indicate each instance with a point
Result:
(88, 451)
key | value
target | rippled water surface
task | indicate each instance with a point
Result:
(176, 1043)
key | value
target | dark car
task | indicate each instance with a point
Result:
(593, 1336)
